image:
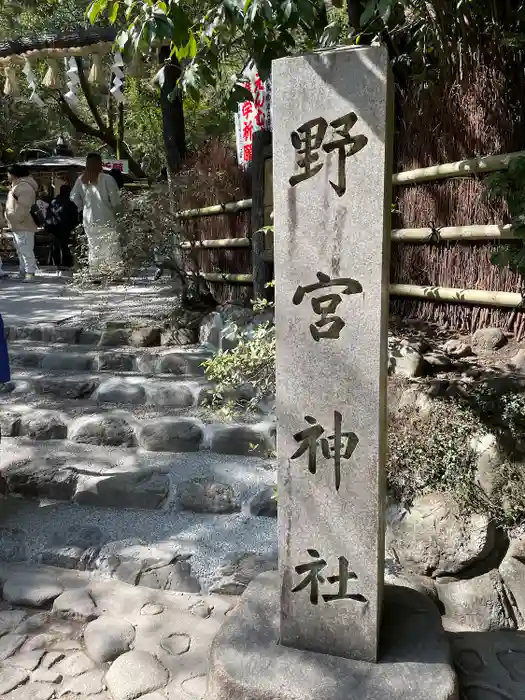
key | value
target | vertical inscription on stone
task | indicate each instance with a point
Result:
(332, 179)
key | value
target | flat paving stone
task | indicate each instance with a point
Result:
(27, 660)
(11, 678)
(33, 691)
(75, 664)
(87, 683)
(10, 620)
(9, 644)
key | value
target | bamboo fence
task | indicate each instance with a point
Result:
(470, 233)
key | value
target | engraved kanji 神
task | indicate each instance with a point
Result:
(332, 446)
(325, 306)
(313, 578)
(308, 139)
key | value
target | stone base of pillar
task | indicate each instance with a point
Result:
(248, 663)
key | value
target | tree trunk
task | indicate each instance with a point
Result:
(355, 10)
(172, 112)
(105, 136)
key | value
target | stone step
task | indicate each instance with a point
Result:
(202, 506)
(121, 387)
(117, 334)
(85, 358)
(86, 422)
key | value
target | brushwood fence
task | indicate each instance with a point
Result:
(496, 298)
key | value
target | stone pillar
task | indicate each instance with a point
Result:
(332, 200)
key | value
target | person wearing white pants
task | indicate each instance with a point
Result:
(96, 193)
(20, 201)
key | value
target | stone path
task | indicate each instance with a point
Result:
(50, 299)
(66, 635)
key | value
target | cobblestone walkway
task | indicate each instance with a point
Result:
(66, 635)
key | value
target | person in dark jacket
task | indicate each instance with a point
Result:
(5, 375)
(62, 218)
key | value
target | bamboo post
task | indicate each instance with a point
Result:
(461, 168)
(215, 210)
(261, 142)
(453, 233)
(462, 296)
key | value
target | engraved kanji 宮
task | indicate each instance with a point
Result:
(343, 578)
(332, 446)
(312, 578)
(329, 325)
(307, 140)
(346, 145)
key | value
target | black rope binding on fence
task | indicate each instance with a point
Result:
(435, 234)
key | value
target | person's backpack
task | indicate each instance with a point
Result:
(37, 215)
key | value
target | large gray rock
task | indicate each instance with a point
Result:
(489, 461)
(75, 604)
(176, 576)
(65, 557)
(488, 339)
(65, 387)
(74, 664)
(479, 604)
(66, 362)
(264, 503)
(118, 390)
(134, 674)
(171, 435)
(41, 479)
(173, 363)
(102, 430)
(113, 362)
(107, 638)
(170, 394)
(405, 361)
(518, 361)
(457, 348)
(43, 425)
(207, 496)
(433, 538)
(239, 569)
(129, 490)
(35, 590)
(512, 571)
(248, 663)
(115, 337)
(145, 337)
(241, 440)
(9, 423)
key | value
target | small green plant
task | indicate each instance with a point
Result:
(509, 185)
(433, 452)
(244, 376)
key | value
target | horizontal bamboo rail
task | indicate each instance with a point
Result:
(221, 277)
(461, 168)
(217, 243)
(453, 233)
(216, 209)
(462, 296)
